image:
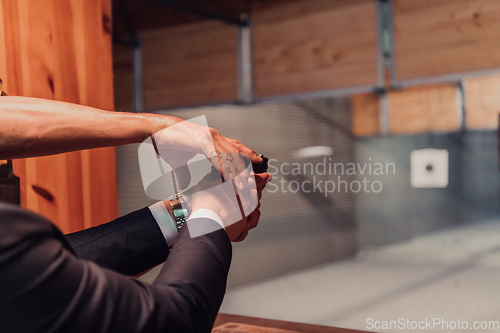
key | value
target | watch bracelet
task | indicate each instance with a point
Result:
(178, 212)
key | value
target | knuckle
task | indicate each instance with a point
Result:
(214, 132)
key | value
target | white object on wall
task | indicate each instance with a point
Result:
(429, 168)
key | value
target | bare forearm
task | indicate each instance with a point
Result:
(34, 127)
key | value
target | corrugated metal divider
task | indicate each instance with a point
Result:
(301, 230)
(297, 230)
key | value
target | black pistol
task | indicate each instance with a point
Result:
(262, 167)
(257, 168)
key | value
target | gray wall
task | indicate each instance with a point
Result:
(401, 212)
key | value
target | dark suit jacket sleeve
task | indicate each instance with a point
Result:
(129, 245)
(46, 288)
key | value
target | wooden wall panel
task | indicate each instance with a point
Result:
(445, 36)
(482, 101)
(433, 108)
(365, 114)
(424, 109)
(62, 50)
(312, 45)
(122, 77)
(191, 64)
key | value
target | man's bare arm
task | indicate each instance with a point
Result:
(35, 127)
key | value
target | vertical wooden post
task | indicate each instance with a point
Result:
(62, 50)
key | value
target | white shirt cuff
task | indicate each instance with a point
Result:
(206, 213)
(164, 220)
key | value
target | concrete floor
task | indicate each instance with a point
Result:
(450, 275)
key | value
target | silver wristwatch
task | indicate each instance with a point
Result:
(179, 212)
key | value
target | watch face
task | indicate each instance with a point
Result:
(180, 213)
